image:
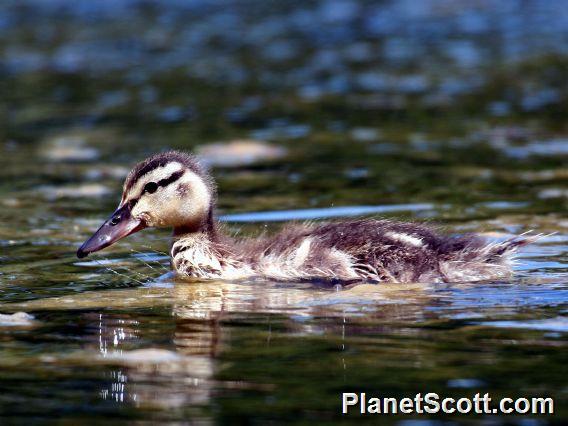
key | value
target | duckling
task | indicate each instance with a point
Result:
(173, 190)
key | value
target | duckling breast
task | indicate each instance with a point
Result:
(195, 255)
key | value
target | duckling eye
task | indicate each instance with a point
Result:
(151, 187)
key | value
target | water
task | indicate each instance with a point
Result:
(448, 113)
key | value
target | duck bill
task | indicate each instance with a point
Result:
(119, 225)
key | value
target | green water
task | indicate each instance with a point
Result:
(479, 146)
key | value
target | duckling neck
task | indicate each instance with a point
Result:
(204, 252)
(208, 227)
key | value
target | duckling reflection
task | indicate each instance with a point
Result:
(185, 376)
(183, 371)
(152, 377)
(217, 300)
(113, 333)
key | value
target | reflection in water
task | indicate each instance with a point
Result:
(141, 375)
(117, 388)
(114, 333)
(202, 311)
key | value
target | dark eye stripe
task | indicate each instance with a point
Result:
(175, 176)
(161, 183)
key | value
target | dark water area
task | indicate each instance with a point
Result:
(448, 112)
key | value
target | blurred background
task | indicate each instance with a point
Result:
(361, 101)
(446, 111)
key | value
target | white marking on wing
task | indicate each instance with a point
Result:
(405, 238)
(301, 253)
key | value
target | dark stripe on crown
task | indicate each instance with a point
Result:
(161, 160)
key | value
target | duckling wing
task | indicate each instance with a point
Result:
(385, 250)
(407, 252)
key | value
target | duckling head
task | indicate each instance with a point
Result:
(168, 190)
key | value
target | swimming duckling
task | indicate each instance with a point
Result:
(172, 190)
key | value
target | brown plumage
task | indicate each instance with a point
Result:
(172, 190)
